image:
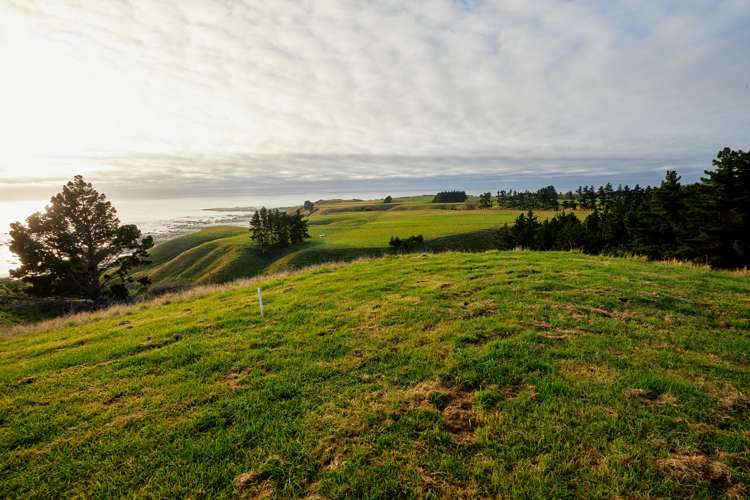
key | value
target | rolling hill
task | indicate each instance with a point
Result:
(460, 375)
(340, 230)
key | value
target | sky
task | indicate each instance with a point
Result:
(174, 98)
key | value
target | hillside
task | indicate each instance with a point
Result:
(497, 374)
(339, 231)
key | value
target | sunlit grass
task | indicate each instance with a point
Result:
(485, 374)
(339, 231)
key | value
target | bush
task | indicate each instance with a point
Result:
(410, 242)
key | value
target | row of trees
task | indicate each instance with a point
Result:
(708, 221)
(275, 228)
(450, 197)
(545, 198)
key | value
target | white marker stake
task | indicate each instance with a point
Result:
(260, 301)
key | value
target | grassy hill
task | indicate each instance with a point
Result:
(340, 230)
(495, 374)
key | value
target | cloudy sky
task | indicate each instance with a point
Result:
(206, 97)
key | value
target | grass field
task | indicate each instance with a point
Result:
(339, 231)
(458, 375)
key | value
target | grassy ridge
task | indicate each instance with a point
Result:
(339, 230)
(501, 373)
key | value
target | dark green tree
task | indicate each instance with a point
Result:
(525, 229)
(77, 247)
(485, 200)
(388, 199)
(720, 212)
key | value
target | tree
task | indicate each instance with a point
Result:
(524, 230)
(258, 229)
(485, 200)
(388, 199)
(309, 206)
(720, 211)
(298, 230)
(77, 247)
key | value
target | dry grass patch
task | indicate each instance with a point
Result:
(595, 373)
(694, 468)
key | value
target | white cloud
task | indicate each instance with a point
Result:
(612, 85)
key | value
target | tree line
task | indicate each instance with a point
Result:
(450, 197)
(276, 228)
(707, 221)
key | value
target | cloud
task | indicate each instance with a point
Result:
(210, 94)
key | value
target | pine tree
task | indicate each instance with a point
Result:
(720, 211)
(77, 247)
(485, 200)
(257, 230)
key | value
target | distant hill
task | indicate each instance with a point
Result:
(497, 374)
(339, 230)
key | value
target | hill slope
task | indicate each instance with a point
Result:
(340, 231)
(513, 373)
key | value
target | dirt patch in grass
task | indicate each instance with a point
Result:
(459, 414)
(695, 468)
(455, 405)
(124, 420)
(736, 491)
(651, 397)
(156, 344)
(541, 323)
(26, 380)
(234, 377)
(552, 336)
(573, 312)
(513, 391)
(735, 400)
(595, 373)
(251, 485)
(481, 308)
(601, 312)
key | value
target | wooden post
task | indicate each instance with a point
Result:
(260, 301)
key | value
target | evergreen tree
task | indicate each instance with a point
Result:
(485, 200)
(77, 247)
(524, 230)
(720, 211)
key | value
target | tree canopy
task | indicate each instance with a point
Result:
(76, 247)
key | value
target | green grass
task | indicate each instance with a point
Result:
(339, 231)
(485, 374)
